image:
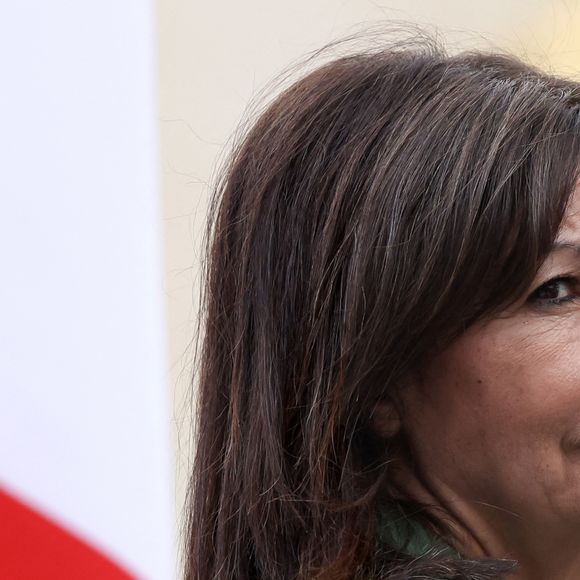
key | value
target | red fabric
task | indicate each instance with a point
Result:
(32, 547)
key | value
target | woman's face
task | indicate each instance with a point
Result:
(495, 422)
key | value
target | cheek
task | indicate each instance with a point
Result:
(500, 401)
(525, 381)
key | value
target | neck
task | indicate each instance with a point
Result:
(481, 530)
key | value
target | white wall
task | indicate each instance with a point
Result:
(84, 431)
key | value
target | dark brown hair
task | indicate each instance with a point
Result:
(376, 208)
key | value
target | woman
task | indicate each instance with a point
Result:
(390, 371)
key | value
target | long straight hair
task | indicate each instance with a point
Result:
(379, 206)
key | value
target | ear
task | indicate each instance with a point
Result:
(386, 419)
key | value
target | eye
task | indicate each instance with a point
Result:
(555, 291)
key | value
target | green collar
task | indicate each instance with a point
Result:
(407, 535)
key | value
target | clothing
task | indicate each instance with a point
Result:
(428, 556)
(407, 535)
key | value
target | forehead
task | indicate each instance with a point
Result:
(571, 222)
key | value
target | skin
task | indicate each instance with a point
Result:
(494, 425)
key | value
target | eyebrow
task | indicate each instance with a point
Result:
(564, 244)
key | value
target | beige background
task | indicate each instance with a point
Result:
(215, 56)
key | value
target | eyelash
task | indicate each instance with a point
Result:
(539, 302)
